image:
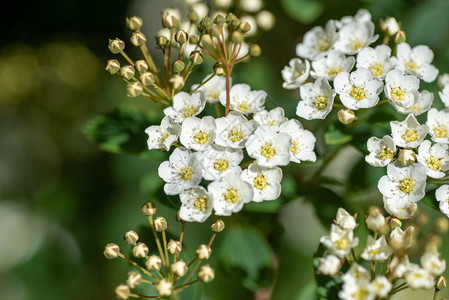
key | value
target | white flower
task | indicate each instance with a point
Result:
(218, 161)
(182, 171)
(196, 205)
(302, 141)
(268, 147)
(434, 158)
(419, 278)
(399, 207)
(375, 220)
(376, 60)
(172, 12)
(356, 273)
(438, 122)
(316, 100)
(444, 95)
(201, 9)
(163, 136)
(415, 61)
(213, 88)
(357, 290)
(408, 133)
(381, 286)
(265, 20)
(390, 25)
(344, 220)
(404, 182)
(233, 130)
(243, 99)
(266, 182)
(360, 89)
(399, 265)
(317, 41)
(354, 36)
(185, 105)
(442, 196)
(431, 261)
(377, 250)
(329, 265)
(402, 90)
(422, 104)
(274, 117)
(443, 80)
(381, 151)
(251, 5)
(361, 16)
(295, 74)
(230, 193)
(339, 241)
(198, 134)
(329, 65)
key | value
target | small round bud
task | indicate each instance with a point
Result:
(149, 209)
(235, 23)
(407, 156)
(127, 72)
(346, 116)
(134, 23)
(160, 224)
(422, 218)
(122, 291)
(219, 70)
(179, 268)
(153, 263)
(138, 39)
(206, 23)
(134, 279)
(193, 17)
(237, 37)
(116, 46)
(441, 283)
(254, 50)
(162, 41)
(131, 237)
(206, 273)
(215, 31)
(113, 66)
(140, 250)
(177, 81)
(147, 79)
(399, 37)
(178, 66)
(245, 27)
(219, 19)
(375, 220)
(194, 39)
(203, 252)
(442, 225)
(218, 226)
(164, 287)
(443, 80)
(390, 25)
(196, 57)
(230, 17)
(141, 66)
(265, 20)
(181, 37)
(174, 247)
(111, 251)
(134, 89)
(169, 21)
(395, 222)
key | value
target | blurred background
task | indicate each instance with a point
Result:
(62, 198)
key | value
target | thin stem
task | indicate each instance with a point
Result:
(192, 261)
(164, 53)
(187, 284)
(127, 58)
(149, 60)
(217, 110)
(212, 239)
(137, 266)
(349, 260)
(143, 296)
(158, 242)
(192, 272)
(147, 282)
(170, 44)
(435, 294)
(228, 92)
(164, 240)
(373, 269)
(353, 254)
(202, 83)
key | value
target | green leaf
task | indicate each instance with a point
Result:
(326, 203)
(304, 11)
(336, 135)
(264, 207)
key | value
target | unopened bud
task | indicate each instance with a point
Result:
(122, 291)
(134, 89)
(219, 70)
(422, 218)
(441, 283)
(153, 263)
(235, 23)
(162, 41)
(179, 268)
(375, 220)
(407, 156)
(169, 21)
(177, 81)
(395, 222)
(245, 27)
(174, 247)
(390, 25)
(206, 273)
(442, 225)
(113, 66)
(140, 250)
(149, 209)
(443, 80)
(346, 116)
(141, 66)
(203, 252)
(127, 72)
(164, 287)
(237, 37)
(196, 57)
(111, 251)
(206, 23)
(178, 66)
(160, 224)
(399, 37)
(215, 31)
(254, 50)
(194, 39)
(230, 17)
(193, 17)
(219, 19)
(147, 78)
(134, 279)
(116, 46)
(181, 37)
(138, 38)
(218, 226)
(134, 23)
(131, 237)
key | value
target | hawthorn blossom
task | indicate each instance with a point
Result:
(330, 64)
(381, 151)
(434, 158)
(376, 60)
(185, 105)
(266, 182)
(422, 104)
(196, 205)
(408, 133)
(243, 99)
(444, 95)
(329, 265)
(316, 99)
(354, 36)
(419, 278)
(377, 250)
(442, 196)
(438, 123)
(317, 41)
(339, 241)
(302, 141)
(344, 220)
(381, 286)
(402, 90)
(198, 134)
(218, 161)
(233, 130)
(164, 135)
(432, 262)
(274, 117)
(295, 74)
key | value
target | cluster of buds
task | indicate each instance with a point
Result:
(389, 252)
(165, 271)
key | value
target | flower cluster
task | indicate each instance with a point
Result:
(389, 252)
(168, 276)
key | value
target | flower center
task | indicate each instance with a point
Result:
(360, 294)
(164, 136)
(221, 165)
(357, 93)
(410, 135)
(267, 151)
(298, 74)
(376, 69)
(356, 44)
(201, 137)
(321, 102)
(201, 203)
(323, 45)
(235, 135)
(188, 111)
(385, 153)
(260, 182)
(341, 244)
(294, 147)
(440, 131)
(397, 94)
(406, 185)
(411, 65)
(186, 173)
(334, 70)
(231, 195)
(433, 163)
(212, 93)
(243, 107)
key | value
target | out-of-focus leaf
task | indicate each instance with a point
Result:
(430, 200)
(326, 203)
(363, 175)
(336, 135)
(304, 11)
(328, 287)
(264, 207)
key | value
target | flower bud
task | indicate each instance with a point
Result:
(441, 225)
(265, 20)
(179, 268)
(395, 222)
(407, 156)
(111, 251)
(174, 247)
(206, 24)
(235, 23)
(245, 27)
(134, 279)
(169, 21)
(194, 39)
(218, 226)
(422, 218)
(390, 25)
(177, 81)
(147, 79)
(134, 89)
(181, 37)
(127, 72)
(206, 273)
(346, 116)
(116, 46)
(164, 287)
(237, 37)
(219, 19)
(219, 70)
(153, 263)
(149, 209)
(375, 220)
(134, 23)
(230, 17)
(140, 250)
(215, 31)
(141, 66)
(122, 291)
(131, 237)
(254, 50)
(113, 66)
(161, 41)
(193, 17)
(138, 39)
(160, 224)
(196, 57)
(399, 37)
(203, 252)
(441, 283)
(178, 66)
